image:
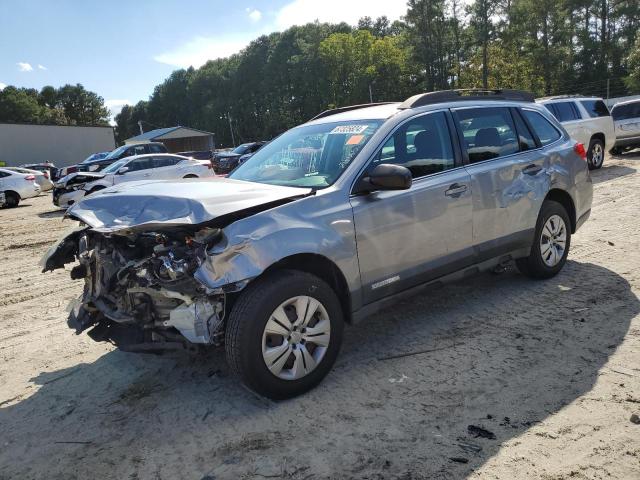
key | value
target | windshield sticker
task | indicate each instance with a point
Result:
(355, 139)
(352, 129)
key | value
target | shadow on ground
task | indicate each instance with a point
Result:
(58, 213)
(496, 352)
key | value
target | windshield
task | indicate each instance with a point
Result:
(95, 156)
(308, 156)
(114, 167)
(242, 149)
(115, 153)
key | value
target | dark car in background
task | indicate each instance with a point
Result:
(86, 163)
(96, 164)
(224, 162)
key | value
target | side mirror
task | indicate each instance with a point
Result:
(123, 170)
(385, 177)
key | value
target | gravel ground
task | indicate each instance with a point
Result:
(548, 372)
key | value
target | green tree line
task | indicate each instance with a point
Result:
(283, 79)
(67, 105)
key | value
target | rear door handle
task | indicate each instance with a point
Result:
(455, 190)
(532, 169)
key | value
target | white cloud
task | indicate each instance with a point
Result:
(114, 106)
(42, 67)
(299, 12)
(201, 49)
(24, 67)
(254, 14)
(2, 86)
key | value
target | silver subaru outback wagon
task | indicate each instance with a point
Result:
(324, 225)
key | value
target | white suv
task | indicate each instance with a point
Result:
(587, 120)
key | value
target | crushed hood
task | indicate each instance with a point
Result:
(158, 204)
(78, 177)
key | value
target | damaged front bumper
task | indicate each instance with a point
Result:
(145, 253)
(139, 291)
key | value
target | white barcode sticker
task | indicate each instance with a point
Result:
(349, 129)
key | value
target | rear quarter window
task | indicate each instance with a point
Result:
(542, 127)
(595, 108)
(564, 111)
(626, 112)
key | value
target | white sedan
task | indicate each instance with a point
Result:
(16, 186)
(42, 178)
(70, 189)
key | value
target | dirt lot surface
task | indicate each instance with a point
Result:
(548, 372)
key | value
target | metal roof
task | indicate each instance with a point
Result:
(158, 133)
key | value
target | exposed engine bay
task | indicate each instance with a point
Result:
(139, 292)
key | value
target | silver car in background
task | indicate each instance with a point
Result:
(16, 186)
(626, 117)
(326, 224)
(41, 177)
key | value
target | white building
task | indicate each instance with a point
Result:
(61, 145)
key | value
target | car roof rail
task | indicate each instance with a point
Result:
(463, 95)
(560, 97)
(333, 111)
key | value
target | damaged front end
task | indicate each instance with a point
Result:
(139, 292)
(144, 251)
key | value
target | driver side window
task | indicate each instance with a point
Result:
(140, 164)
(423, 145)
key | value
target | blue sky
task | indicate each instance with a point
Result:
(122, 49)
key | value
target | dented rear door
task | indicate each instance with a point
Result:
(509, 178)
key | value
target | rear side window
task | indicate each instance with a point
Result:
(488, 133)
(165, 161)
(626, 112)
(564, 111)
(542, 127)
(595, 108)
(156, 149)
(524, 135)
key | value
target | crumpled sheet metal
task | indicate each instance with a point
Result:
(535, 187)
(146, 205)
(253, 244)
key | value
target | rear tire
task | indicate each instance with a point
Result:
(273, 354)
(551, 243)
(595, 154)
(12, 199)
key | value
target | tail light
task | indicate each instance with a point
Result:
(72, 170)
(579, 149)
(30, 178)
(46, 175)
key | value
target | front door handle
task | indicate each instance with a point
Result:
(455, 190)
(532, 169)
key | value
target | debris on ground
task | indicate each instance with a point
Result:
(481, 432)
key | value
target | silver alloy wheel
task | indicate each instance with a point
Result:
(597, 154)
(553, 240)
(296, 337)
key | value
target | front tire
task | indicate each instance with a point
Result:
(284, 333)
(595, 155)
(551, 243)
